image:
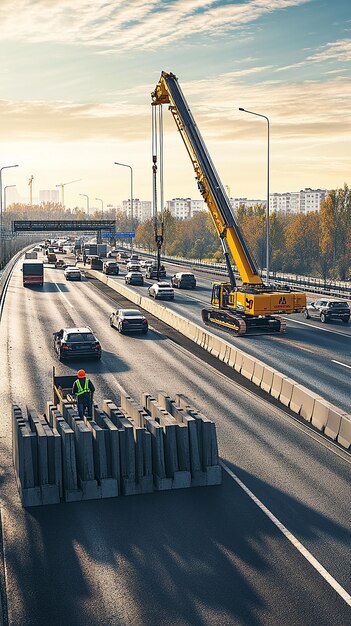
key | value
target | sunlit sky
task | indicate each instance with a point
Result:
(76, 78)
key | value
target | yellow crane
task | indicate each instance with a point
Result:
(252, 306)
(63, 185)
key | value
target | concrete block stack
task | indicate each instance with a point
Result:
(130, 449)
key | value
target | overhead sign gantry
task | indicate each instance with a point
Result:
(31, 226)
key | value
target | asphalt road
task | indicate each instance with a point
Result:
(316, 355)
(191, 557)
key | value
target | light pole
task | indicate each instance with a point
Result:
(7, 187)
(87, 197)
(62, 185)
(131, 197)
(267, 227)
(102, 204)
(5, 167)
(30, 183)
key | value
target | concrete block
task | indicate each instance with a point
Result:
(198, 479)
(286, 391)
(267, 378)
(69, 465)
(158, 453)
(332, 426)
(129, 486)
(42, 444)
(99, 449)
(302, 401)
(170, 447)
(113, 450)
(232, 357)
(146, 484)
(181, 480)
(214, 475)
(258, 373)
(84, 453)
(89, 488)
(277, 384)
(344, 436)
(147, 451)
(161, 483)
(109, 487)
(214, 445)
(139, 452)
(238, 361)
(30, 496)
(183, 449)
(247, 366)
(50, 494)
(214, 346)
(320, 413)
(50, 406)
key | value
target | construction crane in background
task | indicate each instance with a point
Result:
(63, 185)
(30, 183)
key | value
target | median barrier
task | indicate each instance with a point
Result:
(320, 413)
(247, 366)
(286, 391)
(277, 383)
(344, 436)
(332, 426)
(258, 373)
(130, 449)
(301, 400)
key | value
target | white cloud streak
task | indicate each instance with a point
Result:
(119, 25)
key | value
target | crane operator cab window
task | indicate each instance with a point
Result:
(216, 295)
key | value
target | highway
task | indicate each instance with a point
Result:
(318, 356)
(192, 557)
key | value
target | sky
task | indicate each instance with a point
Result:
(76, 78)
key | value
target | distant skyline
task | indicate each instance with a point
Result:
(76, 79)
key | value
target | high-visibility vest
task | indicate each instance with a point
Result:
(80, 388)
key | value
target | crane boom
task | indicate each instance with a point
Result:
(168, 91)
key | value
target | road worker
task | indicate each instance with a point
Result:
(83, 389)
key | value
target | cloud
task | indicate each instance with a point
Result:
(334, 51)
(117, 25)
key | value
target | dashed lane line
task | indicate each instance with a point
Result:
(340, 363)
(344, 595)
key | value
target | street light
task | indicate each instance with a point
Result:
(267, 228)
(131, 197)
(87, 197)
(7, 187)
(102, 203)
(5, 167)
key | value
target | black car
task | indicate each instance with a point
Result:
(183, 280)
(129, 320)
(76, 343)
(134, 278)
(151, 272)
(328, 310)
(110, 268)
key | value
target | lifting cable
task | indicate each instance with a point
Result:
(157, 147)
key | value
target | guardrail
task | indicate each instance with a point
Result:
(327, 418)
(6, 274)
(339, 289)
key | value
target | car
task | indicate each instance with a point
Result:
(110, 268)
(61, 264)
(76, 343)
(73, 273)
(133, 266)
(134, 278)
(328, 310)
(161, 291)
(145, 263)
(129, 320)
(151, 271)
(183, 280)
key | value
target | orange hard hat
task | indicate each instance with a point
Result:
(81, 374)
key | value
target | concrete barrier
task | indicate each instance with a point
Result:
(344, 436)
(286, 391)
(277, 384)
(302, 401)
(332, 426)
(267, 378)
(320, 413)
(257, 375)
(247, 366)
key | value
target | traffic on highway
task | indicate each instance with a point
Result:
(271, 545)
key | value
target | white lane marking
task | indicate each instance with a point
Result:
(339, 363)
(63, 295)
(326, 330)
(295, 542)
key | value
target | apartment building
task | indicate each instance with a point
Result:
(183, 208)
(49, 195)
(141, 209)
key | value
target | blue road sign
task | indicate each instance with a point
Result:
(119, 235)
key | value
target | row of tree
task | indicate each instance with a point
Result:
(316, 243)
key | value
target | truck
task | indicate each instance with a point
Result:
(31, 255)
(252, 306)
(33, 273)
(52, 258)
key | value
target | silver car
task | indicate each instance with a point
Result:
(328, 310)
(161, 291)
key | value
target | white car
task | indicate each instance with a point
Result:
(73, 273)
(161, 291)
(133, 266)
